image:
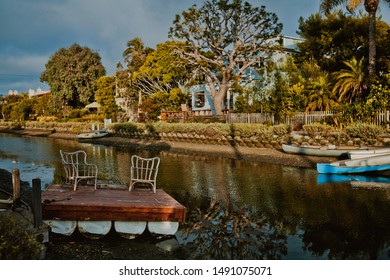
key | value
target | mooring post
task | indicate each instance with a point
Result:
(16, 188)
(36, 202)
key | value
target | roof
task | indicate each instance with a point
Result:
(93, 105)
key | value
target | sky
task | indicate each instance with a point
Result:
(31, 31)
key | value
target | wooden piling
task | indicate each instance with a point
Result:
(16, 188)
(36, 202)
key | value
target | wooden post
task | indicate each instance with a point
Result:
(16, 188)
(36, 202)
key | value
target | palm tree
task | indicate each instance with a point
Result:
(135, 54)
(320, 96)
(351, 82)
(371, 7)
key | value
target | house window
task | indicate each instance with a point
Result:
(199, 100)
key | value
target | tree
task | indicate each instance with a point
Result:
(135, 54)
(224, 39)
(338, 37)
(350, 82)
(371, 7)
(105, 96)
(163, 70)
(321, 96)
(72, 74)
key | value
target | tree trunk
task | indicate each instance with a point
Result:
(218, 99)
(372, 44)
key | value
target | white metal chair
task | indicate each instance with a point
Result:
(77, 168)
(144, 170)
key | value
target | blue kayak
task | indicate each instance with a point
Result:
(329, 168)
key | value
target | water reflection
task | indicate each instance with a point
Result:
(221, 232)
(240, 209)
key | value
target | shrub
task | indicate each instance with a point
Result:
(282, 129)
(314, 128)
(15, 243)
(363, 130)
(129, 127)
(47, 119)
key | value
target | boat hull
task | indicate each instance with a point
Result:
(323, 151)
(329, 168)
(368, 153)
(92, 135)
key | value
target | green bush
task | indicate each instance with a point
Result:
(314, 128)
(363, 130)
(128, 127)
(15, 243)
(249, 130)
(282, 129)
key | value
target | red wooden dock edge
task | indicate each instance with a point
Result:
(60, 202)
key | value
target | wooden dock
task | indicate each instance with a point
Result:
(60, 202)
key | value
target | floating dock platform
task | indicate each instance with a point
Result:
(94, 211)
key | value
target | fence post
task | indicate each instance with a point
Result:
(16, 188)
(36, 202)
(387, 119)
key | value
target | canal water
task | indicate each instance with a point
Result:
(236, 209)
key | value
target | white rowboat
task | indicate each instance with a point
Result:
(368, 153)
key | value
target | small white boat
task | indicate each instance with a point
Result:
(96, 132)
(368, 153)
(325, 151)
(92, 135)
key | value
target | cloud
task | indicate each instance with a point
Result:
(21, 71)
(27, 64)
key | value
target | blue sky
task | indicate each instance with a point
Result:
(33, 30)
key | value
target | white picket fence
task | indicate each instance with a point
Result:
(299, 118)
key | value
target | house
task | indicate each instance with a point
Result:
(38, 93)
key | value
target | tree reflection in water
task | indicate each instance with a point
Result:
(220, 232)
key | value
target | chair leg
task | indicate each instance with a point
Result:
(131, 186)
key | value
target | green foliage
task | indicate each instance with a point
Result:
(76, 114)
(127, 128)
(252, 99)
(248, 130)
(282, 129)
(15, 243)
(135, 54)
(363, 130)
(163, 70)
(287, 92)
(378, 99)
(339, 37)
(351, 83)
(320, 95)
(44, 106)
(315, 128)
(105, 96)
(72, 74)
